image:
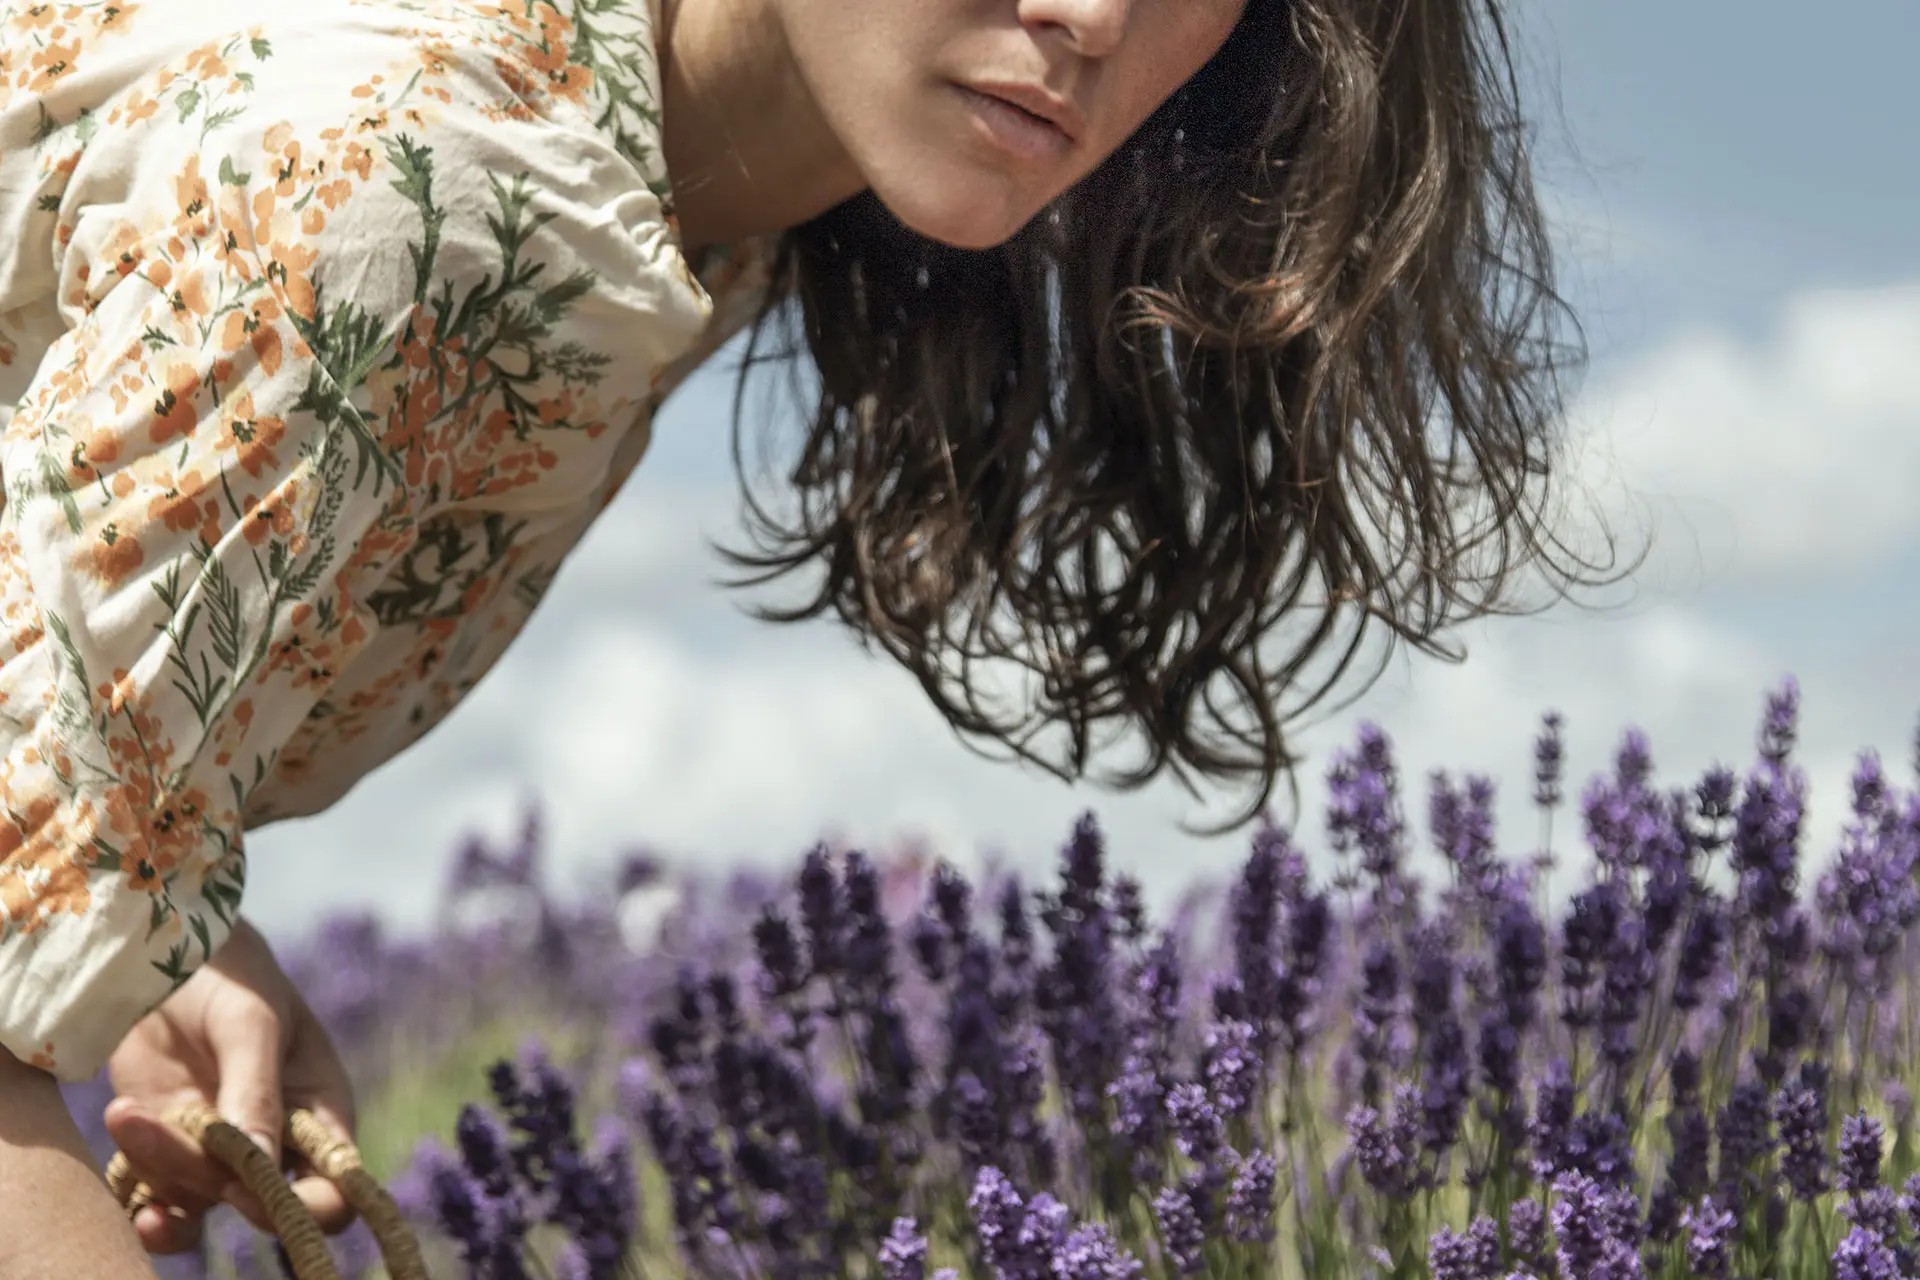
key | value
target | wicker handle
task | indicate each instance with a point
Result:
(330, 1157)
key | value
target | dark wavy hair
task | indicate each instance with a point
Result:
(1284, 366)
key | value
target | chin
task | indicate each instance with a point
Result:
(955, 216)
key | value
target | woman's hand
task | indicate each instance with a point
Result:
(238, 1037)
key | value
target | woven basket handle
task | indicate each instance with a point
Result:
(332, 1158)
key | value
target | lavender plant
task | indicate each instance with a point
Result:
(1696, 1060)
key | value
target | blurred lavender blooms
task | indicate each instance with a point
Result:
(1696, 1059)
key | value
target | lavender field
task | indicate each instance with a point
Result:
(1395, 1056)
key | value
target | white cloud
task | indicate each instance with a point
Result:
(1792, 456)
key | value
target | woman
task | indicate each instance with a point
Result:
(1146, 329)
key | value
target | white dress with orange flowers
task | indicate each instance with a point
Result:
(326, 330)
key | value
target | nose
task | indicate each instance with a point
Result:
(1093, 27)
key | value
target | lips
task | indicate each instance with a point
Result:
(1015, 131)
(1036, 102)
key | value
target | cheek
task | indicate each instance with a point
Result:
(1167, 60)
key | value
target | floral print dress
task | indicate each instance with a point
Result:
(326, 330)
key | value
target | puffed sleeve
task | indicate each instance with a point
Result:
(285, 354)
(193, 510)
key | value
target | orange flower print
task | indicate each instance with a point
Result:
(174, 409)
(190, 300)
(113, 555)
(122, 249)
(190, 197)
(177, 507)
(211, 530)
(114, 692)
(256, 325)
(249, 438)
(52, 62)
(205, 63)
(93, 448)
(274, 515)
(37, 878)
(63, 889)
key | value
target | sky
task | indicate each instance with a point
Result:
(1732, 189)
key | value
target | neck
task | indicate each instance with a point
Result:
(746, 149)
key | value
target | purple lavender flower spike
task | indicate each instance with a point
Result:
(1036, 1239)
(1629, 976)
(1129, 910)
(1909, 1201)
(1877, 1210)
(1699, 951)
(1196, 1123)
(1745, 1139)
(1527, 1233)
(1232, 1069)
(1016, 926)
(1460, 821)
(1549, 761)
(950, 901)
(1688, 1131)
(1858, 1166)
(1800, 1116)
(929, 942)
(1765, 847)
(1593, 1229)
(1363, 814)
(1779, 728)
(1076, 993)
(1867, 898)
(1375, 1015)
(1387, 1149)
(1864, 1255)
(1251, 1200)
(1552, 1119)
(1710, 1240)
(822, 910)
(1473, 1254)
(903, 1254)
(1254, 903)
(1181, 1232)
(783, 971)
(485, 1149)
(1090, 1252)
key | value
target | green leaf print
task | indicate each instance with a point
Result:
(228, 627)
(70, 711)
(223, 897)
(174, 966)
(414, 163)
(201, 932)
(54, 474)
(551, 304)
(344, 349)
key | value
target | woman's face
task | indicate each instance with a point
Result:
(892, 78)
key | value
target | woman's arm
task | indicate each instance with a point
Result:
(57, 1219)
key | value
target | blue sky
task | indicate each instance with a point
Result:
(1733, 189)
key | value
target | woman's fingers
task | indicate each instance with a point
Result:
(166, 1228)
(324, 1201)
(321, 1195)
(178, 1170)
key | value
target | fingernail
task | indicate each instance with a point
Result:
(261, 1141)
